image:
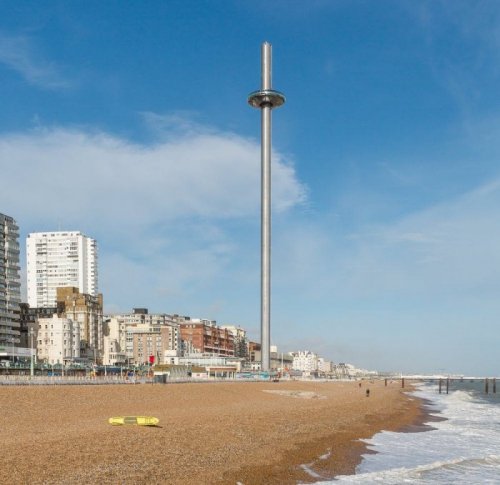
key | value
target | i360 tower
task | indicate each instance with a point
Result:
(266, 99)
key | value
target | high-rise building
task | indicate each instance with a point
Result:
(10, 287)
(59, 259)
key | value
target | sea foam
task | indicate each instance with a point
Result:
(463, 448)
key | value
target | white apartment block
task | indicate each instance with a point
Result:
(305, 361)
(59, 259)
(58, 340)
(10, 293)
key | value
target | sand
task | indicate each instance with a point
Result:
(209, 433)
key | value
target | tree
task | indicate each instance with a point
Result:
(241, 347)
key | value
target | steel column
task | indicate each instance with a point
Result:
(266, 99)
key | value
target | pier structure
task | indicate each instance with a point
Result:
(446, 381)
(266, 99)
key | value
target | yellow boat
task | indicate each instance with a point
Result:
(135, 420)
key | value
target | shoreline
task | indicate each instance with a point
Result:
(420, 424)
(251, 433)
(324, 464)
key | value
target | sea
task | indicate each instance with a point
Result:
(463, 448)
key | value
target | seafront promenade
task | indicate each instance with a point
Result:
(19, 380)
(252, 433)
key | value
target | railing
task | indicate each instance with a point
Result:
(18, 380)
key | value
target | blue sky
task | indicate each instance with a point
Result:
(128, 121)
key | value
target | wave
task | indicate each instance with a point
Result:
(464, 448)
(426, 473)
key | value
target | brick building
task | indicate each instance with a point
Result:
(205, 337)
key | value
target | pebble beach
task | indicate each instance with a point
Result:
(209, 433)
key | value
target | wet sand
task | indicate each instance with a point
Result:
(251, 433)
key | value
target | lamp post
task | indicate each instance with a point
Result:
(266, 99)
(32, 361)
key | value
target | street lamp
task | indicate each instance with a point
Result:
(32, 360)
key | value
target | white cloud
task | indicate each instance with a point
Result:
(160, 212)
(20, 54)
(103, 181)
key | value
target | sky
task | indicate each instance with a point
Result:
(129, 121)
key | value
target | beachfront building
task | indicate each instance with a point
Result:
(279, 361)
(214, 366)
(59, 259)
(205, 337)
(58, 340)
(151, 344)
(114, 342)
(253, 348)
(305, 361)
(130, 326)
(10, 292)
(354, 371)
(29, 324)
(324, 366)
(87, 311)
(240, 340)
